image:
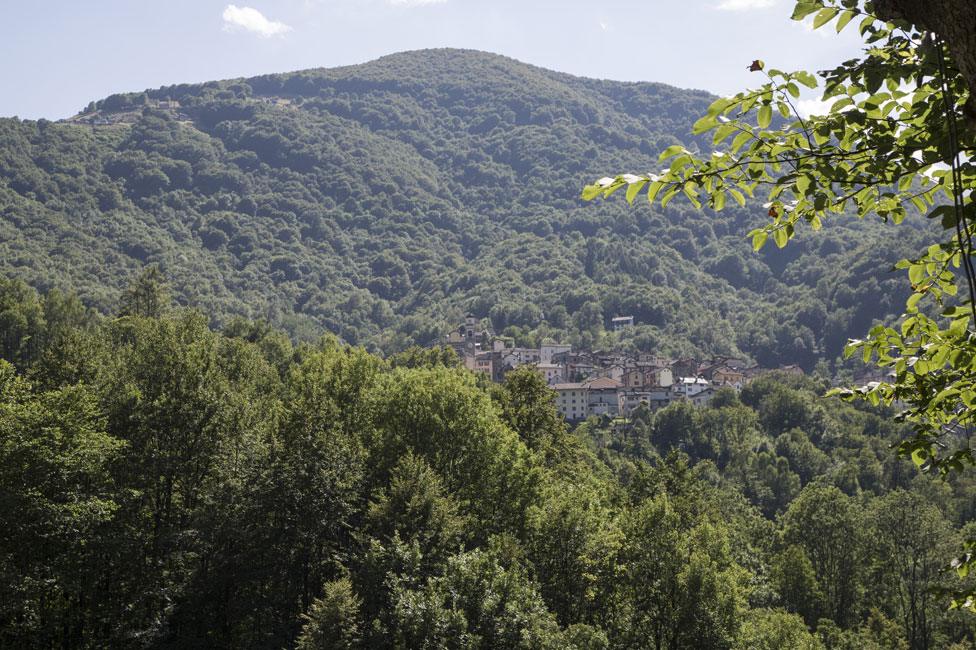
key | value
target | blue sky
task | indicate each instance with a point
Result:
(57, 55)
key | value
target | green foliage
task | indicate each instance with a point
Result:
(528, 407)
(332, 621)
(147, 296)
(195, 488)
(776, 630)
(59, 495)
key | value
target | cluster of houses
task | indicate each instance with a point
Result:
(601, 384)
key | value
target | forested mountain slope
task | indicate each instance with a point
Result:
(382, 201)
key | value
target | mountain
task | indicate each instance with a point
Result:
(383, 201)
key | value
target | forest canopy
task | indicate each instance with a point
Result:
(170, 485)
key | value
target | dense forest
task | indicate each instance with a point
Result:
(381, 202)
(169, 485)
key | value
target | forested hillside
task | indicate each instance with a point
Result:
(381, 202)
(166, 485)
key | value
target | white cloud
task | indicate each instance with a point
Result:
(744, 5)
(252, 20)
(604, 25)
(808, 107)
(415, 3)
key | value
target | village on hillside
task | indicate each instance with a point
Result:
(603, 384)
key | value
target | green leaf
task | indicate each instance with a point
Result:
(911, 305)
(672, 151)
(633, 189)
(765, 116)
(703, 124)
(919, 456)
(781, 237)
(718, 199)
(824, 16)
(723, 132)
(865, 25)
(802, 184)
(653, 190)
(740, 140)
(916, 273)
(670, 194)
(737, 195)
(805, 78)
(804, 8)
(958, 326)
(759, 240)
(845, 18)
(590, 192)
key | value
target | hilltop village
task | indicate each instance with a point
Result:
(602, 384)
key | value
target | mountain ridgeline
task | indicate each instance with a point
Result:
(383, 201)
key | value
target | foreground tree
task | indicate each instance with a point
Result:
(895, 142)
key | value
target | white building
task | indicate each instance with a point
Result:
(620, 322)
(549, 349)
(688, 387)
(571, 401)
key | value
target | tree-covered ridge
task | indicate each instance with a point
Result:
(169, 485)
(383, 201)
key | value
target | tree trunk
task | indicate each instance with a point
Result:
(953, 20)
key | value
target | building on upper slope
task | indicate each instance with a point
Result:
(618, 323)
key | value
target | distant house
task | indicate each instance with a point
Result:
(653, 360)
(601, 396)
(615, 372)
(467, 341)
(520, 356)
(654, 399)
(621, 322)
(688, 387)
(658, 377)
(579, 371)
(549, 350)
(726, 376)
(685, 367)
(551, 372)
(702, 398)
(633, 378)
(571, 401)
(484, 363)
(658, 398)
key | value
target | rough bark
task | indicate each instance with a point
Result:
(953, 20)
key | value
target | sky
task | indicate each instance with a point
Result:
(57, 55)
